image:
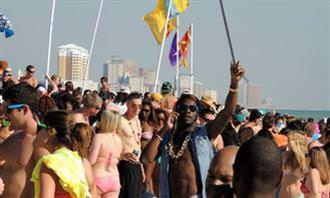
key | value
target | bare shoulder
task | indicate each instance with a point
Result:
(98, 137)
(314, 172)
(87, 165)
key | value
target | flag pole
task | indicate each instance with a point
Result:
(228, 36)
(50, 40)
(92, 44)
(162, 47)
(192, 58)
(177, 56)
(227, 32)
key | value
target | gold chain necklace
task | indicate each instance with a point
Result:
(182, 149)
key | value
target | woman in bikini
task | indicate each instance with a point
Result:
(317, 181)
(104, 154)
(295, 165)
(147, 118)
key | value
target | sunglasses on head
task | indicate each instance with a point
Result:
(192, 108)
(11, 107)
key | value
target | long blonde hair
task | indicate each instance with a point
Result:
(298, 150)
(319, 161)
(110, 121)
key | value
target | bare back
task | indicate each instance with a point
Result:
(104, 154)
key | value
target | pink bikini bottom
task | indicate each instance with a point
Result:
(108, 184)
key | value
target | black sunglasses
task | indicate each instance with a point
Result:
(192, 108)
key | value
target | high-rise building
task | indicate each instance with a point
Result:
(212, 93)
(148, 75)
(72, 62)
(113, 69)
(129, 67)
(253, 96)
(136, 84)
(198, 89)
(184, 84)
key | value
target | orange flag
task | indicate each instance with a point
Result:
(184, 47)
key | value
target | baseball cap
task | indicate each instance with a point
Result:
(166, 87)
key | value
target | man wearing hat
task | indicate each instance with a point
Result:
(166, 88)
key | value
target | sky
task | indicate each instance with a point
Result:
(283, 44)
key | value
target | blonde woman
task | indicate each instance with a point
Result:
(317, 182)
(295, 165)
(104, 154)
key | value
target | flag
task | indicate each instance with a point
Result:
(5, 26)
(178, 7)
(184, 48)
(174, 52)
(156, 19)
(156, 24)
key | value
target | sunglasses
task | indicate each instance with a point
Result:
(31, 71)
(192, 108)
(11, 107)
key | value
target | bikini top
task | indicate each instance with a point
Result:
(305, 189)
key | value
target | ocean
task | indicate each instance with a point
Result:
(316, 114)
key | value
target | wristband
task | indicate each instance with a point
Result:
(159, 137)
(233, 90)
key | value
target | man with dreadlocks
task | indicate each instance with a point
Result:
(185, 148)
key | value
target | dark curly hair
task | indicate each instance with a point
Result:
(22, 93)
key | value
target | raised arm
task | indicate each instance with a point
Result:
(55, 89)
(218, 125)
(151, 151)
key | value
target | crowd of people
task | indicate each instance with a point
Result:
(62, 141)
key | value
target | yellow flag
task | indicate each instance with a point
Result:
(181, 5)
(156, 19)
(156, 24)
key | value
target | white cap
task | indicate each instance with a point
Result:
(42, 89)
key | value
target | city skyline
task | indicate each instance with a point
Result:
(123, 72)
(286, 53)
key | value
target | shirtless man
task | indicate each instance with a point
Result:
(21, 100)
(92, 105)
(29, 76)
(220, 177)
(185, 148)
(130, 169)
